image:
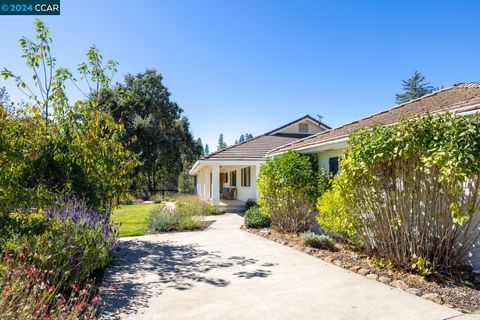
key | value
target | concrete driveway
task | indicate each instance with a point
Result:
(226, 273)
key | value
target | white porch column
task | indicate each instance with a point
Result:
(215, 184)
(257, 172)
(206, 185)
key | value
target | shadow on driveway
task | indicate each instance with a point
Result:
(144, 269)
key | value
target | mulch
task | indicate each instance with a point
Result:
(460, 291)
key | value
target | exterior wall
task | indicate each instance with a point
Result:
(203, 184)
(243, 193)
(325, 155)
(312, 128)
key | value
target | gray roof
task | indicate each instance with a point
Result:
(462, 96)
(258, 147)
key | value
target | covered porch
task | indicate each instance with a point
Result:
(229, 183)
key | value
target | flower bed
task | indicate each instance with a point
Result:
(462, 291)
(48, 258)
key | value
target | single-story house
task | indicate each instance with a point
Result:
(236, 167)
(328, 146)
(231, 173)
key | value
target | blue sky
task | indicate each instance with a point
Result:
(250, 66)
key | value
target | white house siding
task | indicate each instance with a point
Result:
(294, 128)
(243, 193)
(325, 155)
(474, 255)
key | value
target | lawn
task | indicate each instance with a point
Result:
(132, 219)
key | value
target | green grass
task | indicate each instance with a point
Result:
(132, 219)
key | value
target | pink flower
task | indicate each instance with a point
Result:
(76, 287)
(81, 305)
(115, 286)
(7, 251)
(96, 299)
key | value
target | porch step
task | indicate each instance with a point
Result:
(234, 209)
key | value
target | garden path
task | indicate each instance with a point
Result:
(226, 273)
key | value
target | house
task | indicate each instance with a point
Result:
(232, 172)
(328, 145)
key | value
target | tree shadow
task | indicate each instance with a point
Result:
(144, 269)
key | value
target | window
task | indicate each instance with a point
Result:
(303, 127)
(333, 165)
(246, 177)
(233, 178)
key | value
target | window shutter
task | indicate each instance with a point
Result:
(333, 165)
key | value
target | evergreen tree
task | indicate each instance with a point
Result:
(221, 143)
(242, 138)
(248, 136)
(413, 88)
(207, 150)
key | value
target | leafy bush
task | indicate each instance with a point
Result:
(157, 198)
(289, 185)
(162, 219)
(411, 190)
(319, 241)
(333, 216)
(250, 203)
(254, 218)
(184, 216)
(213, 210)
(70, 235)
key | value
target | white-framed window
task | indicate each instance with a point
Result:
(233, 178)
(303, 127)
(245, 177)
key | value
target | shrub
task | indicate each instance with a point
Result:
(128, 200)
(319, 241)
(289, 185)
(70, 235)
(254, 218)
(214, 210)
(411, 190)
(182, 217)
(333, 216)
(162, 219)
(157, 198)
(250, 203)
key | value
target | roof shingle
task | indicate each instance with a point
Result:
(463, 96)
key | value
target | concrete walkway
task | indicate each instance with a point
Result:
(226, 273)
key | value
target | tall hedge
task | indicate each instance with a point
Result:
(411, 189)
(289, 185)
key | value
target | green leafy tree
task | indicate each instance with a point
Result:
(155, 130)
(79, 149)
(413, 88)
(221, 143)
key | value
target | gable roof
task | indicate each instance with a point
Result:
(459, 98)
(258, 147)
